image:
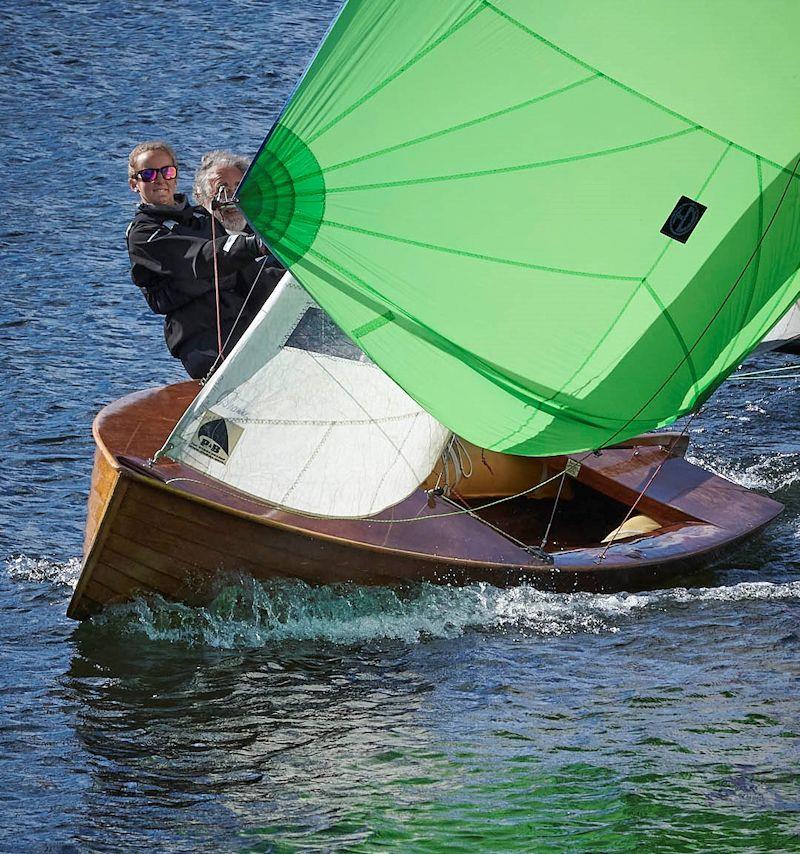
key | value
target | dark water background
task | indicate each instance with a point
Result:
(290, 719)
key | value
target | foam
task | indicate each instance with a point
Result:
(252, 614)
(44, 570)
(768, 473)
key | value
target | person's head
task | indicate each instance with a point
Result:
(149, 174)
(218, 176)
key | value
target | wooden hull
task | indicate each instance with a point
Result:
(170, 530)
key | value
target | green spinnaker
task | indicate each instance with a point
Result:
(475, 191)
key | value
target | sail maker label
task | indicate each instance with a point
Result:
(216, 437)
(682, 221)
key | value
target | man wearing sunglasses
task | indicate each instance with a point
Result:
(172, 261)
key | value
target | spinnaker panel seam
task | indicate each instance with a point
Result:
(465, 19)
(521, 167)
(438, 134)
(527, 265)
(629, 89)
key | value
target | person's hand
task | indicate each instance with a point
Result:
(263, 248)
(257, 245)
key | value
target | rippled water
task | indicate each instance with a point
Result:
(289, 718)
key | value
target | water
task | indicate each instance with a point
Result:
(285, 718)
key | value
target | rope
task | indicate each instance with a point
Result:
(532, 550)
(219, 358)
(216, 288)
(453, 455)
(472, 509)
(461, 453)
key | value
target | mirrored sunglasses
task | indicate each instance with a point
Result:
(150, 175)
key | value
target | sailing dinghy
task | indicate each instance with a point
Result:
(520, 238)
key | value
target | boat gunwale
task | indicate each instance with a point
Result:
(673, 443)
(227, 509)
(724, 538)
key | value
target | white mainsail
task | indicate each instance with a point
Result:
(299, 416)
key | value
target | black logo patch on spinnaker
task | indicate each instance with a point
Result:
(682, 221)
(216, 437)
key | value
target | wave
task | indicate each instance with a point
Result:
(44, 570)
(769, 473)
(250, 613)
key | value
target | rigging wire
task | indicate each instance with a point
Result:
(647, 485)
(768, 377)
(553, 514)
(769, 374)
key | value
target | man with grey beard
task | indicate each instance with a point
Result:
(219, 174)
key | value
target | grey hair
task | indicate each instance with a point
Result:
(209, 163)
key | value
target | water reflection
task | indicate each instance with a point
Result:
(279, 736)
(576, 740)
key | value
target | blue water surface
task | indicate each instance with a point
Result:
(286, 718)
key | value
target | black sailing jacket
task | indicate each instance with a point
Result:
(172, 261)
